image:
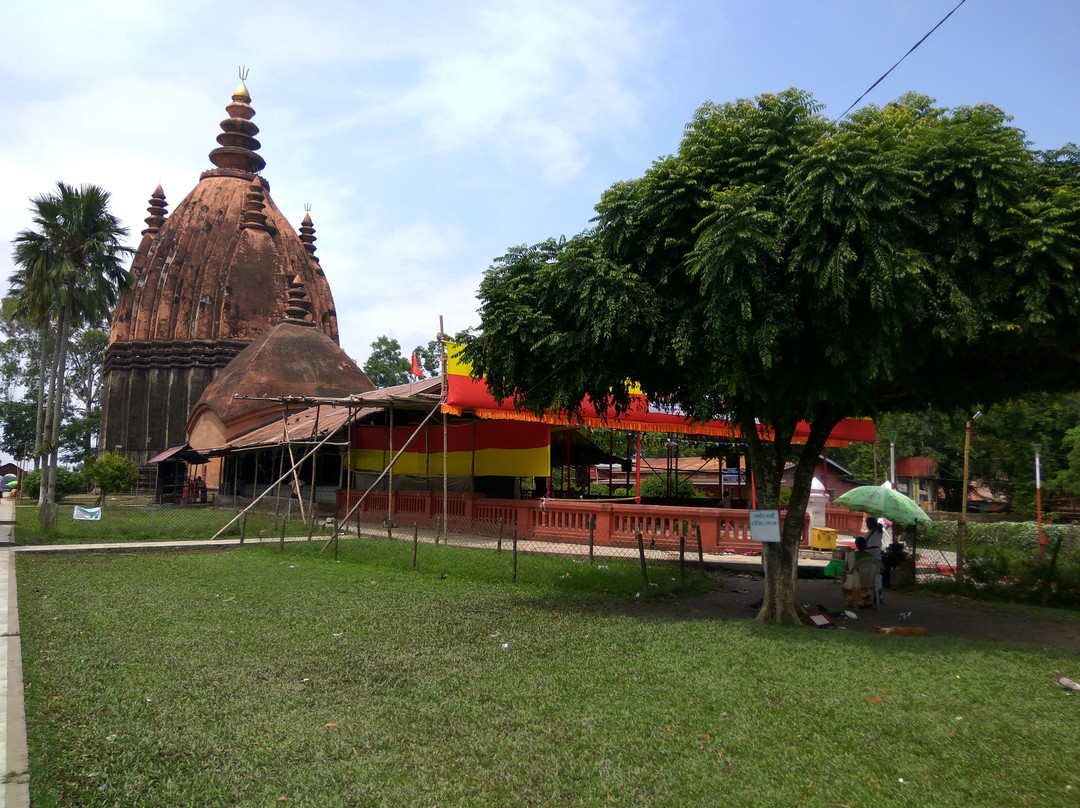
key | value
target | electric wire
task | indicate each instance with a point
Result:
(663, 279)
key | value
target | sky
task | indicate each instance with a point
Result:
(429, 138)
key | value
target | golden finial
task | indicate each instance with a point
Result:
(241, 91)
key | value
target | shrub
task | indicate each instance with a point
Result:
(112, 473)
(68, 483)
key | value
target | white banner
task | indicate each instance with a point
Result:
(86, 514)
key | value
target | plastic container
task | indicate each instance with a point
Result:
(823, 538)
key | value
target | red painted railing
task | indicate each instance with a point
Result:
(564, 520)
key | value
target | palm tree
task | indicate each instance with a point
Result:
(70, 271)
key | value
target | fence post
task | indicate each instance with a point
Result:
(284, 524)
(415, 539)
(682, 559)
(592, 535)
(498, 545)
(389, 528)
(513, 575)
(700, 555)
(243, 529)
(438, 522)
(644, 569)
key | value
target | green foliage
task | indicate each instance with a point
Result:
(68, 483)
(783, 267)
(385, 365)
(112, 473)
(658, 486)
(17, 428)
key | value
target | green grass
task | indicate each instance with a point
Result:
(244, 677)
(123, 522)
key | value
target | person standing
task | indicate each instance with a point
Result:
(875, 536)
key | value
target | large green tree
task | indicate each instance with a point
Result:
(69, 269)
(385, 365)
(782, 267)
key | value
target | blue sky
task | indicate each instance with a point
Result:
(429, 137)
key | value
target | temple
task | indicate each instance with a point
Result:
(208, 280)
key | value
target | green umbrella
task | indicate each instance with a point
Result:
(877, 500)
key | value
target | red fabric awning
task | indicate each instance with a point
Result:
(465, 393)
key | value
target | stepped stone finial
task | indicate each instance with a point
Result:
(299, 309)
(254, 215)
(237, 138)
(307, 234)
(157, 211)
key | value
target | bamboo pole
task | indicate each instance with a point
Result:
(390, 477)
(382, 474)
(445, 441)
(348, 474)
(235, 482)
(256, 499)
(513, 574)
(314, 469)
(415, 541)
(498, 545)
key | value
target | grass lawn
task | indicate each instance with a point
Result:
(252, 678)
(124, 521)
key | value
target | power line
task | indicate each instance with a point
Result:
(902, 58)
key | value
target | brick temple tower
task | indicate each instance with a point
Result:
(209, 279)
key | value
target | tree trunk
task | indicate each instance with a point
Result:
(44, 450)
(39, 415)
(780, 562)
(49, 512)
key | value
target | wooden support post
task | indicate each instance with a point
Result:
(644, 569)
(235, 480)
(437, 518)
(243, 528)
(682, 560)
(592, 535)
(513, 574)
(415, 541)
(498, 545)
(389, 529)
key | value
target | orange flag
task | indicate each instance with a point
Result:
(416, 370)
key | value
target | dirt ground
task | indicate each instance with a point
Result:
(943, 616)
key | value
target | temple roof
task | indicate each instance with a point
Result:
(291, 359)
(219, 266)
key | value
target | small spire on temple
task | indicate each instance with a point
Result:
(254, 215)
(157, 211)
(299, 309)
(307, 233)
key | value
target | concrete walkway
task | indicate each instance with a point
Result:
(14, 761)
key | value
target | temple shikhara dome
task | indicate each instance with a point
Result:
(209, 278)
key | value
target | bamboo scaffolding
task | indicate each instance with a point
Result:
(378, 479)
